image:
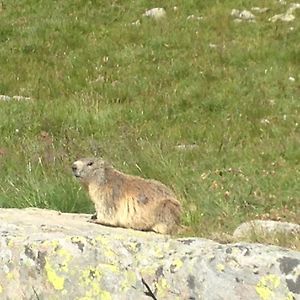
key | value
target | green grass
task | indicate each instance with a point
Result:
(102, 86)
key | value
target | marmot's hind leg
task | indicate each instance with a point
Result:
(167, 217)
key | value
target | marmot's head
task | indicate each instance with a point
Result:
(90, 169)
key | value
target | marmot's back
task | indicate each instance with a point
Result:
(128, 201)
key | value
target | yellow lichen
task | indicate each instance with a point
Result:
(91, 278)
(78, 239)
(220, 267)
(236, 251)
(55, 280)
(177, 263)
(10, 275)
(105, 295)
(150, 270)
(162, 288)
(104, 243)
(130, 280)
(118, 237)
(66, 259)
(266, 285)
(54, 243)
(290, 296)
(158, 252)
(109, 267)
(1, 289)
(133, 247)
(10, 244)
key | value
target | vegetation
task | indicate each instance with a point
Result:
(101, 84)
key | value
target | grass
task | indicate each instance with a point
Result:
(102, 86)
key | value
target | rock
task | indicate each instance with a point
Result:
(17, 98)
(243, 15)
(288, 15)
(185, 147)
(292, 79)
(246, 15)
(237, 20)
(193, 17)
(211, 45)
(260, 10)
(155, 13)
(265, 227)
(136, 23)
(50, 255)
(293, 7)
(282, 17)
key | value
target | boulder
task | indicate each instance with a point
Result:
(50, 255)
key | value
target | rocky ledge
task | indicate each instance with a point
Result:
(50, 255)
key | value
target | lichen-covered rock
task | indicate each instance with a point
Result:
(48, 255)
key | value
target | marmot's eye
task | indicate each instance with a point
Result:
(90, 163)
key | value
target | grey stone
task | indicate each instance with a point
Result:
(185, 147)
(243, 15)
(49, 255)
(265, 227)
(16, 98)
(260, 10)
(288, 15)
(155, 13)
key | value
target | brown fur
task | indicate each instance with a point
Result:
(128, 201)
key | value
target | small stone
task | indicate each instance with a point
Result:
(260, 10)
(291, 78)
(293, 7)
(136, 23)
(282, 17)
(265, 121)
(193, 17)
(246, 15)
(288, 16)
(5, 98)
(186, 147)
(243, 15)
(155, 13)
(235, 13)
(20, 98)
(237, 20)
(17, 98)
(261, 227)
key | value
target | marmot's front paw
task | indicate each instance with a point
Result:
(94, 216)
(94, 221)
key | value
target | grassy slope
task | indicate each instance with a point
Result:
(101, 86)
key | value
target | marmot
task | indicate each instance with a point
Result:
(128, 201)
